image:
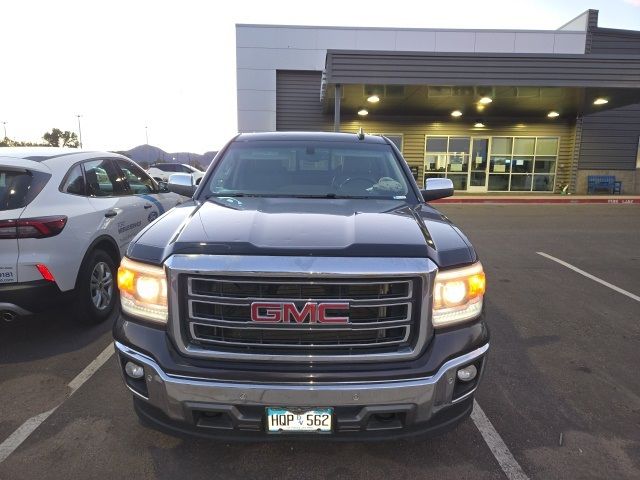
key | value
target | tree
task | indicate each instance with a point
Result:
(8, 142)
(58, 138)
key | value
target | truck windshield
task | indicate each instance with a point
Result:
(309, 169)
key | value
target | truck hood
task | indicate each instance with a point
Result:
(304, 227)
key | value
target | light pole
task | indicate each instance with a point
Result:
(146, 134)
(4, 125)
(79, 130)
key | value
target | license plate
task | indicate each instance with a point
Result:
(295, 420)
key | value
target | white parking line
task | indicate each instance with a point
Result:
(592, 277)
(500, 451)
(28, 427)
(508, 463)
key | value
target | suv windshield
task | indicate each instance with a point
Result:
(308, 169)
(18, 188)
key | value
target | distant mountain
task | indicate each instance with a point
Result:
(148, 154)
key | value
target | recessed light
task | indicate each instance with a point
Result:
(480, 107)
(485, 100)
(373, 99)
(456, 113)
(600, 101)
(478, 125)
(363, 112)
(553, 114)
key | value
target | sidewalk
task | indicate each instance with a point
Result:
(472, 198)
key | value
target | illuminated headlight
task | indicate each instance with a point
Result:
(143, 290)
(457, 295)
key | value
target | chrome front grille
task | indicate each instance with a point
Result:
(219, 313)
(388, 307)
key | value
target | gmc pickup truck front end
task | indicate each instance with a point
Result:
(306, 290)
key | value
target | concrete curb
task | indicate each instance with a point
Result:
(559, 200)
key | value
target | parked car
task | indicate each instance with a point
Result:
(306, 289)
(66, 218)
(162, 171)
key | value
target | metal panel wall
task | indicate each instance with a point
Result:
(610, 40)
(298, 104)
(610, 139)
(352, 67)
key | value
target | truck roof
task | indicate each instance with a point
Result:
(309, 136)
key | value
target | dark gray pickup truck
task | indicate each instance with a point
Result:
(307, 289)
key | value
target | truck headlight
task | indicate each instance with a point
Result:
(457, 295)
(143, 290)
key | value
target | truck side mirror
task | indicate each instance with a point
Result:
(182, 184)
(435, 188)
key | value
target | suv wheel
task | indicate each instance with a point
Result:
(97, 290)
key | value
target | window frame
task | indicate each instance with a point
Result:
(156, 189)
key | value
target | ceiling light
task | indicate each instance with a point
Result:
(553, 114)
(456, 113)
(480, 107)
(478, 125)
(373, 99)
(363, 112)
(485, 100)
(600, 101)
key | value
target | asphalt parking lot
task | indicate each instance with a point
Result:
(562, 388)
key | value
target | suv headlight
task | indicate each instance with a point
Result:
(143, 290)
(457, 295)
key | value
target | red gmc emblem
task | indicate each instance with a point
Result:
(312, 312)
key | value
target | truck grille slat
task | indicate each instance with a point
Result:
(382, 315)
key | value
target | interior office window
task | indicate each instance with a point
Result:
(436, 156)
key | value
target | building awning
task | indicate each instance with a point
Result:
(518, 84)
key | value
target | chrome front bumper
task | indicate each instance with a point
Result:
(177, 396)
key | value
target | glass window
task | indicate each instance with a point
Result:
(547, 146)
(138, 181)
(459, 144)
(103, 180)
(75, 181)
(436, 144)
(459, 181)
(524, 146)
(184, 169)
(522, 165)
(545, 165)
(498, 183)
(543, 183)
(435, 163)
(458, 163)
(521, 182)
(501, 145)
(500, 164)
(302, 169)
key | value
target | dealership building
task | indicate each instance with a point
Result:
(493, 110)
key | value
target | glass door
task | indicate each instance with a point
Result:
(479, 162)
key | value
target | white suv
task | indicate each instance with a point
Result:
(162, 171)
(66, 218)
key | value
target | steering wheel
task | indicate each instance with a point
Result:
(368, 183)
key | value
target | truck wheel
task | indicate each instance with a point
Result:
(97, 289)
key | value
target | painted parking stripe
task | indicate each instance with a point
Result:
(492, 438)
(592, 277)
(28, 427)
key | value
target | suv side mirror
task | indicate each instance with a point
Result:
(182, 184)
(435, 188)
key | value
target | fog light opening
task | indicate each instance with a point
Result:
(467, 373)
(134, 371)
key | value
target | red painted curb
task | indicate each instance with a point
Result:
(609, 201)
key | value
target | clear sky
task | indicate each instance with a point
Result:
(170, 65)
